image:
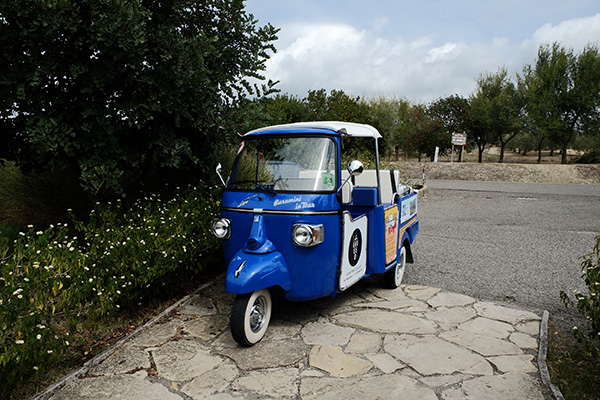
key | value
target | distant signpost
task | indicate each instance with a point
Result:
(458, 139)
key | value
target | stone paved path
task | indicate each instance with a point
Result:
(414, 342)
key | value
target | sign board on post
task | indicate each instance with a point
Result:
(458, 139)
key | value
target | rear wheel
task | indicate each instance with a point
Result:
(250, 316)
(393, 276)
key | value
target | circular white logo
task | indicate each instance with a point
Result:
(355, 247)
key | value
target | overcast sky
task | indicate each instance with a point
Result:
(419, 50)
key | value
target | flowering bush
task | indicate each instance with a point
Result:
(52, 280)
(589, 305)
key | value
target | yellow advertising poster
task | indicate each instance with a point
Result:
(391, 234)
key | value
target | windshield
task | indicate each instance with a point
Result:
(296, 164)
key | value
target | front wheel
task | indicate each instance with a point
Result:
(393, 276)
(250, 316)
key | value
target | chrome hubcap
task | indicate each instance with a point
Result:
(257, 314)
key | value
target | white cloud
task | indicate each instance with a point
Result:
(574, 34)
(364, 62)
(339, 56)
(447, 52)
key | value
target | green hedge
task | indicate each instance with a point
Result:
(53, 280)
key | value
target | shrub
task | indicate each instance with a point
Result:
(589, 305)
(8, 233)
(56, 279)
(589, 157)
(40, 198)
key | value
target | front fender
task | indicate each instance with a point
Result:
(248, 272)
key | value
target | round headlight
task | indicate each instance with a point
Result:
(308, 235)
(302, 235)
(221, 228)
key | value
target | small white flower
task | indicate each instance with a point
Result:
(39, 336)
(50, 351)
(19, 341)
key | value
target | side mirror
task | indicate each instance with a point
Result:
(355, 168)
(218, 171)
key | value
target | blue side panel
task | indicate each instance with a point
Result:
(412, 231)
(376, 234)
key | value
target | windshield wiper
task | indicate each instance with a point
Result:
(267, 188)
(270, 188)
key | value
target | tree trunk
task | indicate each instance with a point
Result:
(563, 158)
(502, 145)
(539, 149)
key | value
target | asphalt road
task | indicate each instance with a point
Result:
(516, 243)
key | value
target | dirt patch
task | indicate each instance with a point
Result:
(506, 172)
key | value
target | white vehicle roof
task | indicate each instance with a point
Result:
(345, 128)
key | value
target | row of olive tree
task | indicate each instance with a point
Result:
(552, 104)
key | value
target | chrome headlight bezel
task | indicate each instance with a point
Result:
(306, 235)
(221, 228)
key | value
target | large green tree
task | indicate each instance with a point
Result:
(424, 133)
(497, 109)
(452, 115)
(123, 92)
(335, 106)
(563, 94)
(389, 116)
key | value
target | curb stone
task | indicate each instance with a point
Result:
(542, 353)
(111, 350)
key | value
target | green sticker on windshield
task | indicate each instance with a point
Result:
(328, 179)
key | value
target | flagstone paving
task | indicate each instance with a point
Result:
(414, 342)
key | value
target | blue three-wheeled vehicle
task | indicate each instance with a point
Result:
(294, 220)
